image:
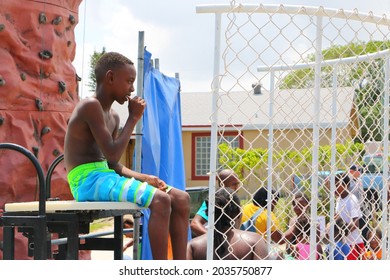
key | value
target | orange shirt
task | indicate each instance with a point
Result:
(370, 255)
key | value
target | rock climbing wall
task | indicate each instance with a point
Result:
(38, 91)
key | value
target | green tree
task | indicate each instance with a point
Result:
(93, 59)
(367, 77)
(369, 99)
(255, 160)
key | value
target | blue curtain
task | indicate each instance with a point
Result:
(162, 148)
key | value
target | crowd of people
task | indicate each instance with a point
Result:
(347, 236)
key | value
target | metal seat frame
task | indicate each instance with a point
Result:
(69, 224)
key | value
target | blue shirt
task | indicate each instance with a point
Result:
(341, 251)
(203, 211)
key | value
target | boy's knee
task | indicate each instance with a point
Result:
(186, 199)
(161, 202)
(181, 201)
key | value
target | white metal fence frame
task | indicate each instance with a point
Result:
(319, 13)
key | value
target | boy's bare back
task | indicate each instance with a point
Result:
(245, 245)
(80, 144)
(92, 133)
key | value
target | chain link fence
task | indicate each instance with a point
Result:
(306, 90)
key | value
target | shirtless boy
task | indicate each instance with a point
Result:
(93, 148)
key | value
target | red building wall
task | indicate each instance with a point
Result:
(38, 91)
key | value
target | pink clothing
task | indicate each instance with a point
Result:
(303, 251)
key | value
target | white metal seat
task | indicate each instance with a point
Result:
(70, 205)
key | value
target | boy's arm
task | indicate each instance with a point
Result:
(197, 225)
(290, 232)
(111, 147)
(127, 172)
(354, 224)
(199, 221)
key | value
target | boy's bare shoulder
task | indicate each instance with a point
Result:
(88, 100)
(249, 236)
(88, 103)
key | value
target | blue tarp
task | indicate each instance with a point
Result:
(162, 148)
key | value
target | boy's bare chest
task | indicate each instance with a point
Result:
(109, 121)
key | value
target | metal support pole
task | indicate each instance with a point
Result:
(157, 63)
(213, 144)
(140, 93)
(316, 140)
(270, 153)
(386, 171)
(333, 163)
(118, 238)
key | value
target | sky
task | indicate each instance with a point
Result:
(180, 38)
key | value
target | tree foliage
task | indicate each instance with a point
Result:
(93, 59)
(367, 77)
(256, 160)
(347, 75)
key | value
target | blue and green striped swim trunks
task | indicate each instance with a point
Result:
(95, 181)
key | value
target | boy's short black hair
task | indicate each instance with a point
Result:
(109, 61)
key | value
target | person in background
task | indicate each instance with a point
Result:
(229, 243)
(348, 209)
(300, 206)
(128, 223)
(302, 246)
(374, 250)
(341, 248)
(356, 188)
(260, 201)
(226, 178)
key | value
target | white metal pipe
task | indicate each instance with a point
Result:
(333, 162)
(140, 93)
(214, 140)
(316, 138)
(295, 9)
(270, 153)
(385, 178)
(331, 62)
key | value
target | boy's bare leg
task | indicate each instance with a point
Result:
(179, 223)
(159, 225)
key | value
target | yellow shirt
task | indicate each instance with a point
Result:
(261, 221)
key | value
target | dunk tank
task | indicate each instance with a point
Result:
(298, 92)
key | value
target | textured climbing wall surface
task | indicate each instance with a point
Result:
(38, 91)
